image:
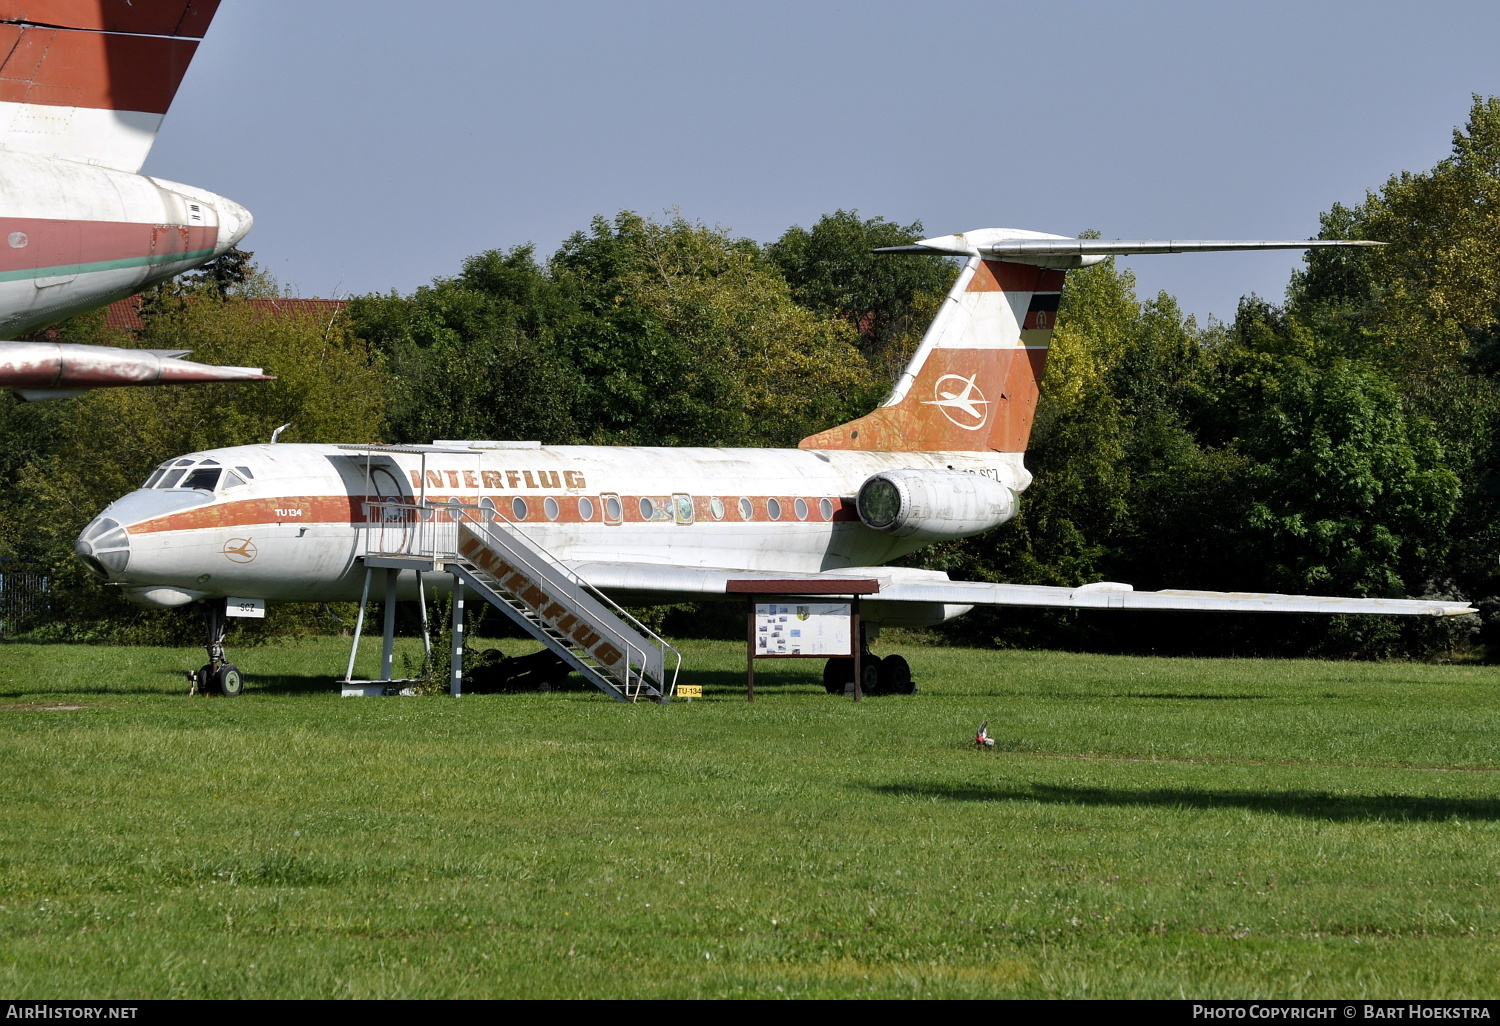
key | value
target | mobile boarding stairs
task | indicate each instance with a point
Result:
(490, 555)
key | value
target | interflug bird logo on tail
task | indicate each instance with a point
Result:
(961, 401)
(972, 385)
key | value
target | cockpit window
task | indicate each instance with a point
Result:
(203, 474)
(206, 478)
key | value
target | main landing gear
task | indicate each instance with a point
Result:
(888, 676)
(216, 677)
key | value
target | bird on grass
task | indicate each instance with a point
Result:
(983, 739)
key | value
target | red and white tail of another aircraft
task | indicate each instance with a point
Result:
(84, 85)
(942, 458)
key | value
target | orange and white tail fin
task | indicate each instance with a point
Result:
(90, 80)
(972, 385)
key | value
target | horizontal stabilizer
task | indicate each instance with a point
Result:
(1040, 250)
(906, 585)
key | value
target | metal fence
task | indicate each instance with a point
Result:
(25, 600)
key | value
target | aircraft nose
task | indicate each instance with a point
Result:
(105, 546)
(235, 223)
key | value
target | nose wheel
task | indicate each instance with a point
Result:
(217, 676)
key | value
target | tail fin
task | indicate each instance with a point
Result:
(89, 80)
(972, 385)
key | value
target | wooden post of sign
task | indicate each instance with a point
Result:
(750, 641)
(854, 641)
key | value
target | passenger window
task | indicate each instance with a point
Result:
(746, 509)
(206, 478)
(683, 508)
(716, 507)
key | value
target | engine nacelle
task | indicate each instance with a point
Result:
(934, 505)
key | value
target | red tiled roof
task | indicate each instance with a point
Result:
(125, 314)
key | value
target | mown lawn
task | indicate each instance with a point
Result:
(1145, 827)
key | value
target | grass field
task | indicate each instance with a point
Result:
(1145, 827)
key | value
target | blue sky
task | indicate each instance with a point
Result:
(379, 143)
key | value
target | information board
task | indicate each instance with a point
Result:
(791, 629)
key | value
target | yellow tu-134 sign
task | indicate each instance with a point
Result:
(689, 691)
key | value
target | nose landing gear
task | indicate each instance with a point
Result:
(217, 676)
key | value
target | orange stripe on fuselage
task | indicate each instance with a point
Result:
(314, 509)
(349, 510)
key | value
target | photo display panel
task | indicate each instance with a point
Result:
(802, 629)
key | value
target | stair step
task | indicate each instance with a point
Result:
(580, 602)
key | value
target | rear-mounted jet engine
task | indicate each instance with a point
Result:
(934, 505)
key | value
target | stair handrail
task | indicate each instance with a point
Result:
(484, 517)
(579, 584)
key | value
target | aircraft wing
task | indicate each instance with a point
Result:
(900, 584)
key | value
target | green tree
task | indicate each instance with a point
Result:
(635, 332)
(833, 269)
(1426, 310)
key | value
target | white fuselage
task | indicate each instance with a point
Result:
(296, 526)
(75, 236)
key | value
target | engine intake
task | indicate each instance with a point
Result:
(933, 505)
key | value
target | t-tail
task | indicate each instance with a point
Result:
(973, 384)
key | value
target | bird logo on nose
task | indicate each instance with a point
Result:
(240, 550)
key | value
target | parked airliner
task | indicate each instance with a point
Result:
(942, 458)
